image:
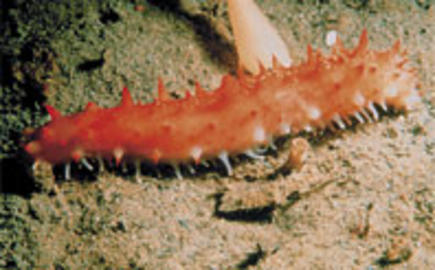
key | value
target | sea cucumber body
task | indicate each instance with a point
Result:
(242, 113)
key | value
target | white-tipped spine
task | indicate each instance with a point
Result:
(367, 116)
(253, 155)
(384, 106)
(339, 122)
(137, 170)
(85, 162)
(68, 171)
(177, 171)
(223, 156)
(374, 111)
(359, 117)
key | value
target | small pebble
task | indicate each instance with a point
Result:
(139, 8)
(298, 153)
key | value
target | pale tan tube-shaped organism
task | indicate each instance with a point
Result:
(256, 39)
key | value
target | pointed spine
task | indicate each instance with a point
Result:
(188, 95)
(162, 94)
(54, 114)
(362, 45)
(396, 48)
(338, 48)
(155, 156)
(309, 54)
(127, 100)
(276, 65)
(118, 153)
(91, 107)
(199, 91)
(196, 153)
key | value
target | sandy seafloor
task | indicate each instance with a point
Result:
(364, 198)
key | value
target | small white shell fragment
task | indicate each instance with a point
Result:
(331, 38)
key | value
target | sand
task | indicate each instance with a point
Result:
(363, 198)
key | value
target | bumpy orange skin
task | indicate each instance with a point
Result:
(240, 114)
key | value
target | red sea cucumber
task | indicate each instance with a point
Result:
(322, 92)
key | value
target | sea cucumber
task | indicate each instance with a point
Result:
(244, 112)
